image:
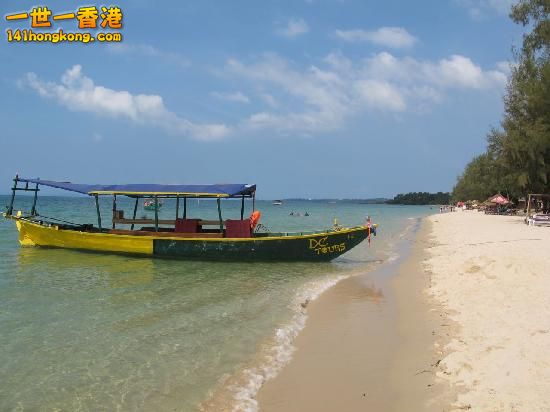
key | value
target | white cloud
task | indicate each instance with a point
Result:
(478, 8)
(506, 67)
(460, 71)
(338, 62)
(79, 93)
(381, 95)
(269, 100)
(321, 98)
(149, 51)
(237, 97)
(313, 99)
(394, 37)
(293, 28)
(454, 72)
(319, 91)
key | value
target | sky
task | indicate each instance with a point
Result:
(305, 98)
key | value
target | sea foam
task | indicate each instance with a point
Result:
(280, 352)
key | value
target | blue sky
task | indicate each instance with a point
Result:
(319, 98)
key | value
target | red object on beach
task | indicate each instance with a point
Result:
(499, 199)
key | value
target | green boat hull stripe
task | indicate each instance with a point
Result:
(324, 247)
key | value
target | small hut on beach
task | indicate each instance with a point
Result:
(538, 203)
(495, 204)
(538, 209)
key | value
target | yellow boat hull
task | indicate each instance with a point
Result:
(323, 246)
(33, 234)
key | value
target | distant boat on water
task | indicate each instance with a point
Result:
(150, 205)
(277, 203)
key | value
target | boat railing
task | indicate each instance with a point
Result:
(286, 234)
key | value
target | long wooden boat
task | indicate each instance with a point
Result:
(181, 237)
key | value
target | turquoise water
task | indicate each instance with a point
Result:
(85, 331)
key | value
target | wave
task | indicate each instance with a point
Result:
(280, 351)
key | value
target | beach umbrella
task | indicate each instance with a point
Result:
(499, 199)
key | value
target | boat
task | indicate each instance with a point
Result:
(239, 239)
(150, 205)
(277, 203)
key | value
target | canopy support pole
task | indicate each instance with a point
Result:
(254, 202)
(135, 212)
(177, 207)
(33, 209)
(13, 190)
(220, 214)
(114, 210)
(98, 212)
(242, 207)
(185, 208)
(156, 214)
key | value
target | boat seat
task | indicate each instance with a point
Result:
(238, 228)
(187, 226)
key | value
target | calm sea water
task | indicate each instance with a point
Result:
(84, 331)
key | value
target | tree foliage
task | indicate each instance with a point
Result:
(421, 198)
(517, 159)
(534, 13)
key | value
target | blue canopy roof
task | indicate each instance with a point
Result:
(221, 190)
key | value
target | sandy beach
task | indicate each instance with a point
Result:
(368, 344)
(491, 275)
(460, 322)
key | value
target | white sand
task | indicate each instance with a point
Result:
(492, 274)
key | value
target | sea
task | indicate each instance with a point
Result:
(90, 331)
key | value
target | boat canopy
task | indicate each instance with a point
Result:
(141, 189)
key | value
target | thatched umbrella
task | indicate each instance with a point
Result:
(499, 199)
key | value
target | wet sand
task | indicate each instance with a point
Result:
(369, 344)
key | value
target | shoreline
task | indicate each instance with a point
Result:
(239, 390)
(368, 343)
(459, 322)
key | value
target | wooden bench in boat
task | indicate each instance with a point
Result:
(163, 234)
(186, 228)
(162, 222)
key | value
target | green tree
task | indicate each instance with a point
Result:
(421, 198)
(479, 180)
(517, 159)
(524, 148)
(534, 13)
